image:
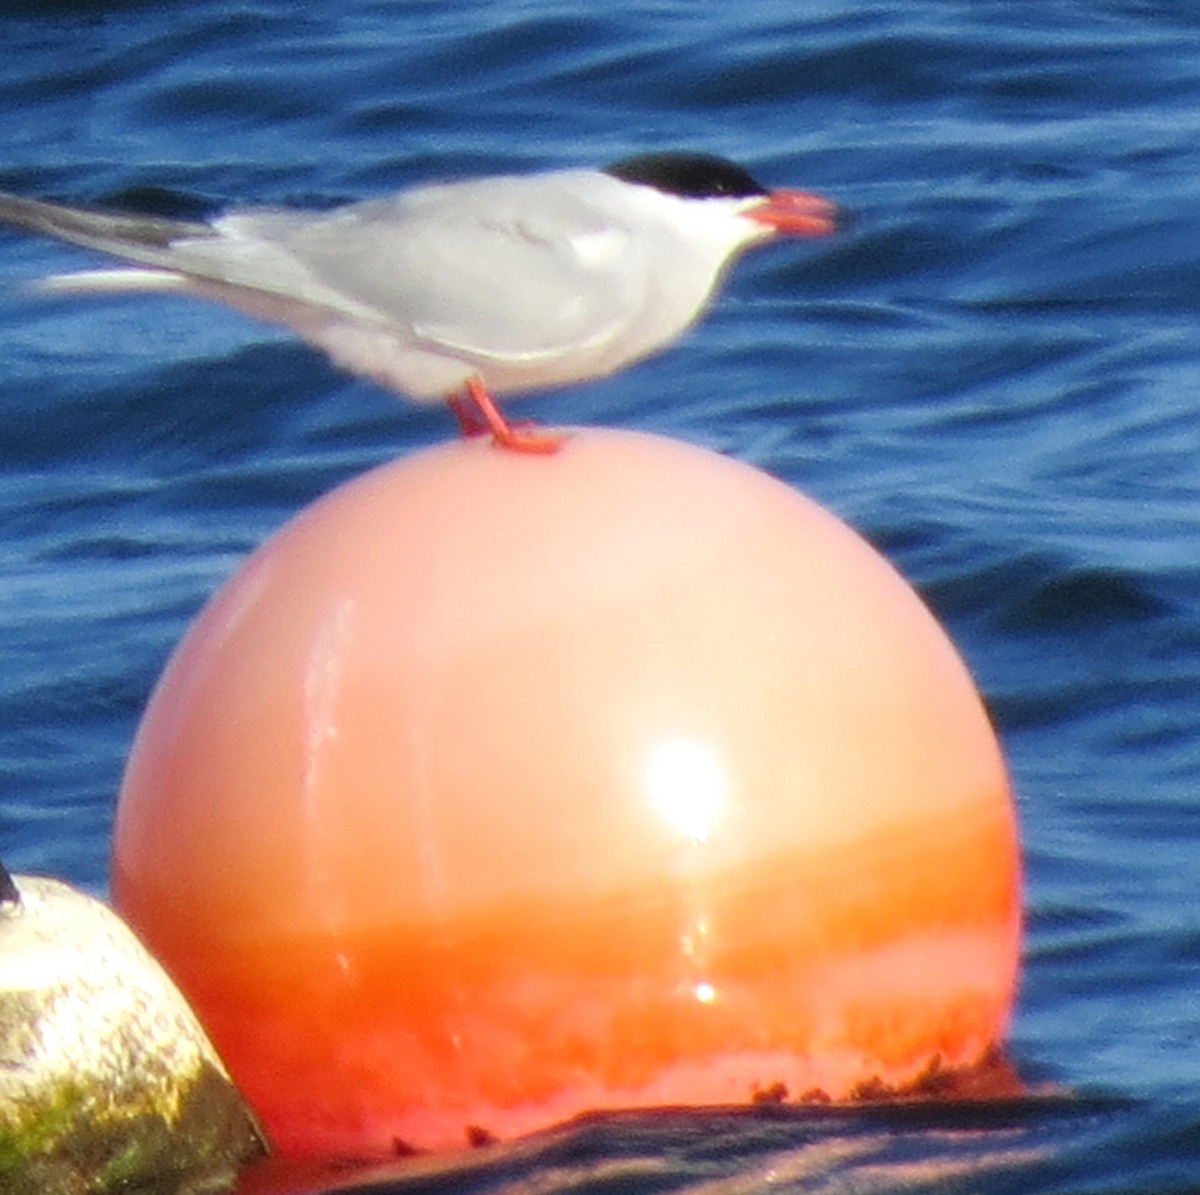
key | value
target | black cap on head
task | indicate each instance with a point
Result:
(692, 175)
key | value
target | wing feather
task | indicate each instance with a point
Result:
(436, 263)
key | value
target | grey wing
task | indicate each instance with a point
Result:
(146, 239)
(175, 253)
(445, 265)
(508, 272)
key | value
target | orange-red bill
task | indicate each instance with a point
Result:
(797, 213)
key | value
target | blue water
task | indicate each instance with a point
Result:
(994, 375)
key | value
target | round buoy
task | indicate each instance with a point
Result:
(495, 788)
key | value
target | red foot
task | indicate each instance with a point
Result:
(476, 412)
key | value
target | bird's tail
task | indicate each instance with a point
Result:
(141, 238)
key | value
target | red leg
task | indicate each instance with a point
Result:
(470, 422)
(476, 411)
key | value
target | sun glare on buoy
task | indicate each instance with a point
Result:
(688, 788)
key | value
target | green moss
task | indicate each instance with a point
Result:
(71, 1145)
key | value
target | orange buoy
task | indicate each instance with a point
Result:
(495, 788)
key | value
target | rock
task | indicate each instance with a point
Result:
(107, 1080)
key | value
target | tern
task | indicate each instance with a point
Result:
(462, 290)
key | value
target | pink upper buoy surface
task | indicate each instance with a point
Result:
(494, 788)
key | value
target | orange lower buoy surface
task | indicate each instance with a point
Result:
(495, 788)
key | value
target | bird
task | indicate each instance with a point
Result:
(462, 290)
